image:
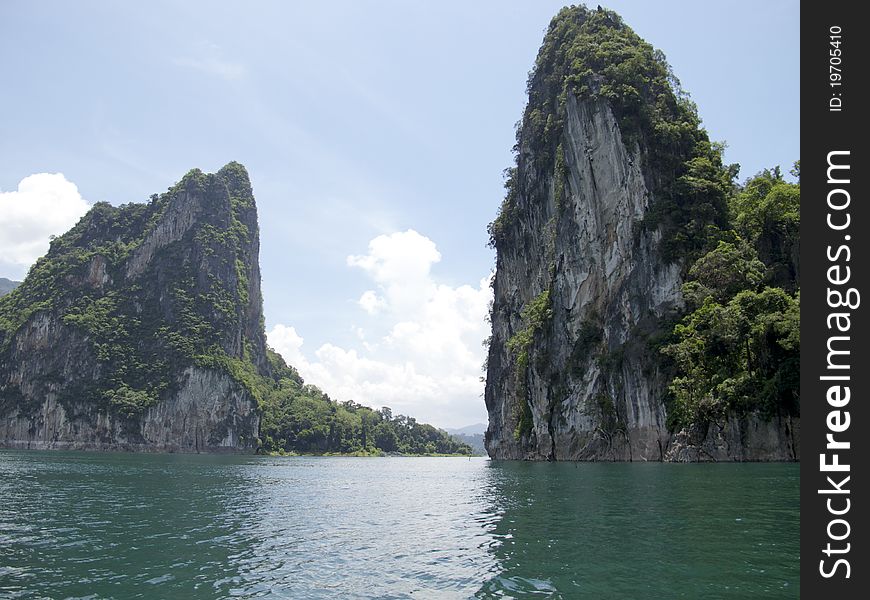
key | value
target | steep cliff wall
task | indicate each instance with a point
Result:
(142, 327)
(603, 280)
(615, 191)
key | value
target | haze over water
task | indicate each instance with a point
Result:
(95, 525)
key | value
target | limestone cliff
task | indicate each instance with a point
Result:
(614, 192)
(142, 327)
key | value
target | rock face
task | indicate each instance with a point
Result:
(587, 280)
(141, 329)
(208, 413)
(740, 438)
(607, 284)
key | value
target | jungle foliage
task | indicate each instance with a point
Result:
(301, 419)
(738, 347)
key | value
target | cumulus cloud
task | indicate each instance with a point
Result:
(428, 356)
(400, 263)
(44, 204)
(398, 258)
(286, 342)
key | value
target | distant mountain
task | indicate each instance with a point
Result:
(7, 285)
(468, 429)
(475, 440)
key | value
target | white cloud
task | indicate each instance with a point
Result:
(400, 263)
(398, 258)
(428, 362)
(371, 302)
(287, 343)
(44, 204)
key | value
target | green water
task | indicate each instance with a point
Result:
(91, 525)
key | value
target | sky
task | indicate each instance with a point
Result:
(375, 134)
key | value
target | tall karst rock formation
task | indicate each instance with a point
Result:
(614, 192)
(142, 327)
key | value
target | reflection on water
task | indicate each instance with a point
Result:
(128, 526)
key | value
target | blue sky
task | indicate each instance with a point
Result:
(375, 134)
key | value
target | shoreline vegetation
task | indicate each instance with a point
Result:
(360, 454)
(300, 419)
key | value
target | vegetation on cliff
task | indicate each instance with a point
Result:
(535, 316)
(738, 346)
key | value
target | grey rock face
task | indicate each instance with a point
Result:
(593, 384)
(179, 218)
(209, 413)
(608, 282)
(739, 438)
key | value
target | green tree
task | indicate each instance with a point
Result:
(385, 437)
(766, 212)
(723, 272)
(743, 355)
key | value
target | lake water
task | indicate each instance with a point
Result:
(92, 525)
